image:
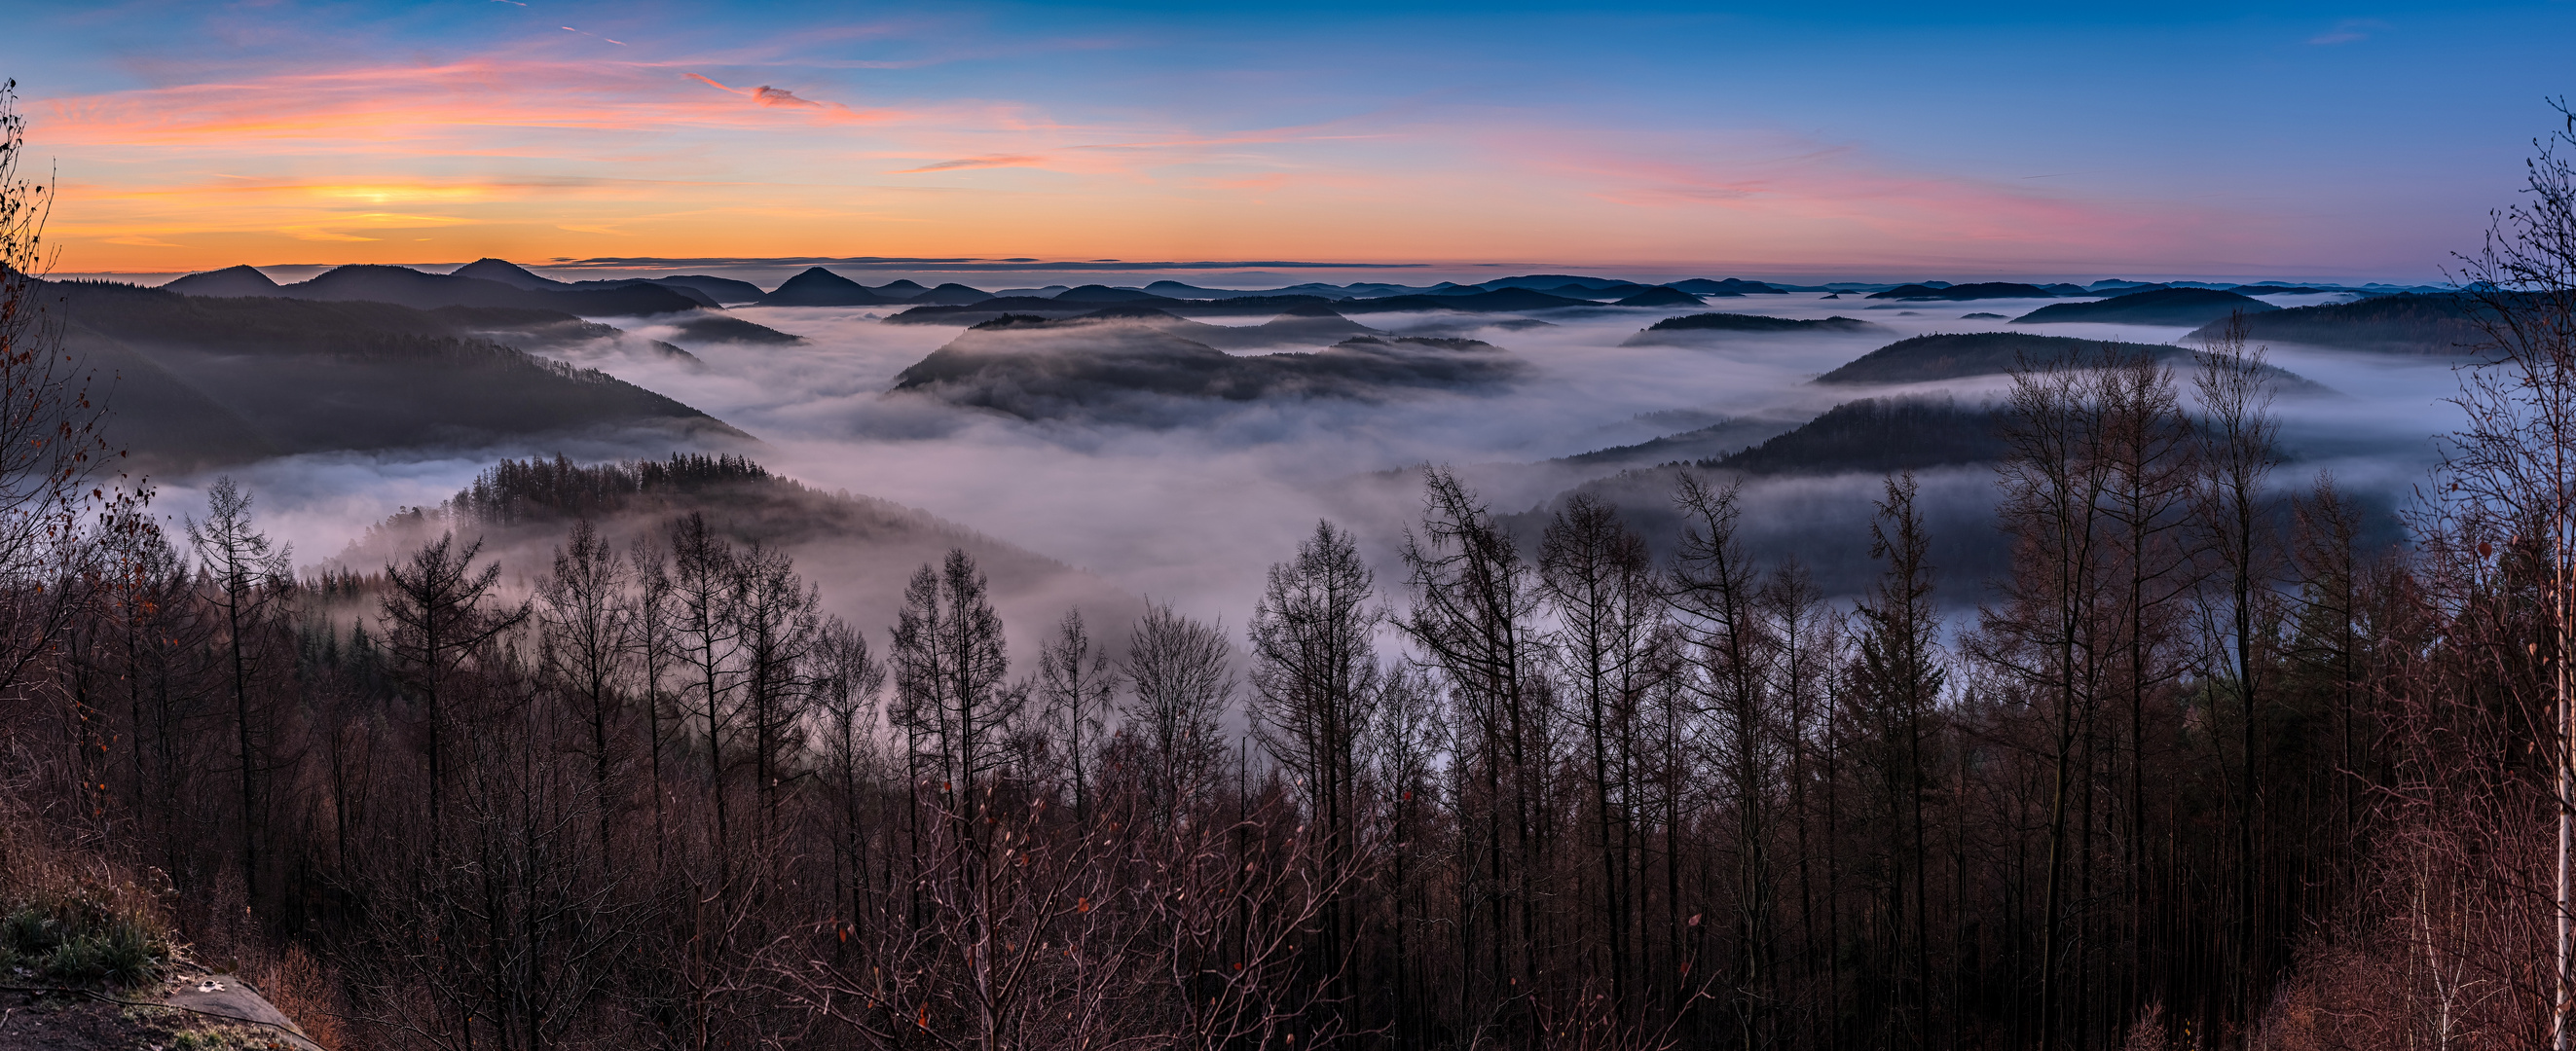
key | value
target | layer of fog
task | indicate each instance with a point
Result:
(1195, 514)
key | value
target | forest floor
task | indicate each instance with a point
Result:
(185, 1012)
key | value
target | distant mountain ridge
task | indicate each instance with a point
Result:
(419, 290)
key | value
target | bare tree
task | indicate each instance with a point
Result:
(780, 627)
(1608, 604)
(1075, 689)
(2511, 469)
(1314, 693)
(1182, 671)
(1715, 594)
(849, 690)
(2241, 608)
(2047, 634)
(950, 669)
(1474, 602)
(585, 631)
(51, 446)
(435, 621)
(1897, 680)
(246, 579)
(706, 601)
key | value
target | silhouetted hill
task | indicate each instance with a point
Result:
(987, 309)
(1980, 290)
(1313, 324)
(1729, 287)
(506, 272)
(1594, 293)
(2409, 324)
(817, 287)
(1693, 325)
(1544, 282)
(1949, 356)
(1499, 300)
(720, 289)
(952, 294)
(1047, 369)
(403, 286)
(902, 288)
(706, 291)
(2159, 306)
(1106, 294)
(725, 328)
(1924, 359)
(1660, 297)
(1706, 443)
(229, 281)
(248, 377)
(1876, 436)
(983, 310)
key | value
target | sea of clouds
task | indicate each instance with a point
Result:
(1193, 512)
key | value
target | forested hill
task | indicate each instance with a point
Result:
(1131, 371)
(1950, 356)
(2406, 324)
(1877, 436)
(1689, 327)
(2156, 306)
(862, 547)
(199, 381)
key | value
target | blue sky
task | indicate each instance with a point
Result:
(2342, 141)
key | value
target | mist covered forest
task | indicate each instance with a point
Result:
(2206, 756)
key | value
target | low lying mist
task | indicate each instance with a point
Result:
(1189, 500)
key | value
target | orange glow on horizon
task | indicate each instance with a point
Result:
(536, 159)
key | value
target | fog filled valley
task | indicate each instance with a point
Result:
(1176, 453)
(523, 656)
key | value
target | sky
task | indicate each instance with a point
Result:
(1865, 141)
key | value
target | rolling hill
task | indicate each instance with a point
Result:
(207, 380)
(1980, 290)
(2404, 324)
(1115, 369)
(2186, 307)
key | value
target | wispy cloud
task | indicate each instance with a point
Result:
(766, 95)
(1007, 160)
(2348, 31)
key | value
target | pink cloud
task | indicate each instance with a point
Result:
(1019, 160)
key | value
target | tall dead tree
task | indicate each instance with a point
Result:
(1314, 694)
(246, 579)
(435, 620)
(1716, 597)
(1607, 600)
